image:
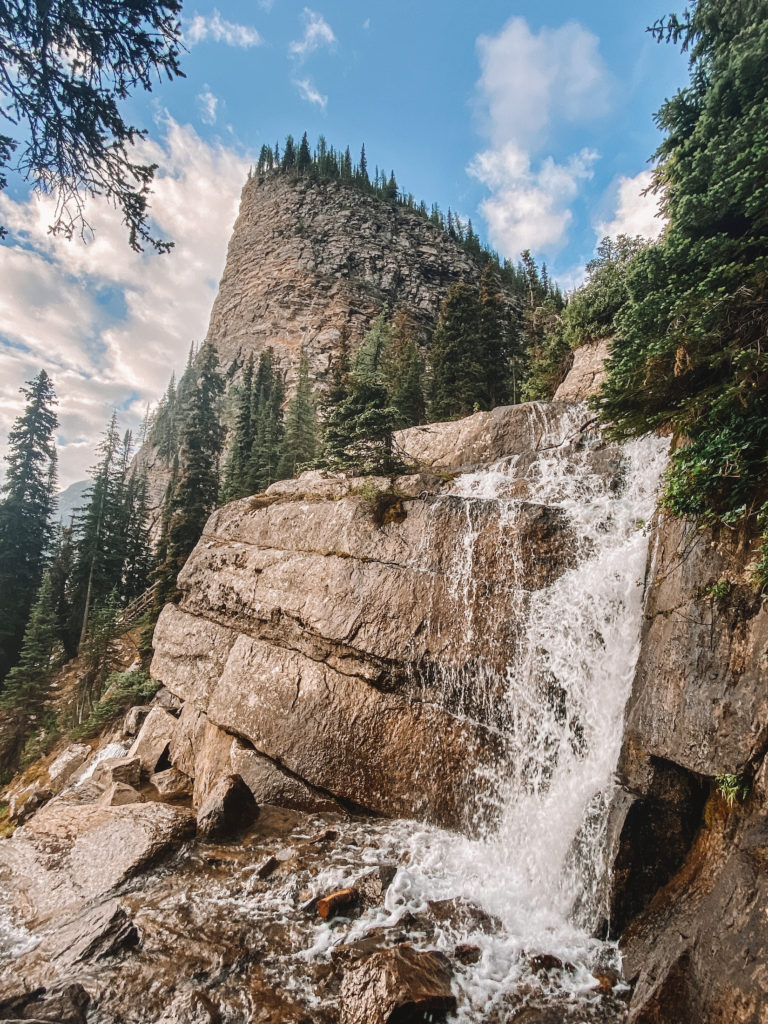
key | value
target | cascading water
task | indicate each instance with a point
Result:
(539, 862)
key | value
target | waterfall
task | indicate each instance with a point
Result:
(537, 862)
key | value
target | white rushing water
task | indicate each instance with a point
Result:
(540, 867)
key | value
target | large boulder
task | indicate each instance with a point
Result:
(229, 808)
(69, 853)
(397, 985)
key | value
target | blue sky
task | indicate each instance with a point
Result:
(533, 119)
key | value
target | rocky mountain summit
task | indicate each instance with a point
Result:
(308, 259)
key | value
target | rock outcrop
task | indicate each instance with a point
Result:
(317, 627)
(308, 259)
(587, 372)
(691, 880)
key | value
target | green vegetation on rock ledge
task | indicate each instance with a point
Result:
(690, 351)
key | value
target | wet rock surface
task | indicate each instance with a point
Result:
(691, 875)
(208, 935)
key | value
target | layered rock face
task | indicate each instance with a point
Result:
(332, 632)
(308, 259)
(691, 885)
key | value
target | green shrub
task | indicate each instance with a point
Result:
(732, 788)
(122, 691)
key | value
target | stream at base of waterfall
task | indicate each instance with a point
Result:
(516, 907)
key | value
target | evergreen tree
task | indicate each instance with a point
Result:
(28, 682)
(304, 159)
(403, 370)
(364, 167)
(195, 494)
(234, 484)
(61, 569)
(690, 350)
(289, 155)
(137, 546)
(100, 528)
(266, 425)
(300, 441)
(495, 339)
(25, 513)
(358, 431)
(458, 377)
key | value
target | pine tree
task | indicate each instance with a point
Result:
(364, 167)
(266, 425)
(300, 441)
(495, 339)
(304, 159)
(358, 431)
(289, 155)
(61, 569)
(28, 683)
(458, 384)
(234, 484)
(25, 513)
(99, 528)
(195, 495)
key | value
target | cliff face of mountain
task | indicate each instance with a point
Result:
(308, 259)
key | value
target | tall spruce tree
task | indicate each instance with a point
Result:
(690, 350)
(496, 338)
(234, 482)
(458, 376)
(358, 431)
(25, 513)
(300, 440)
(99, 528)
(27, 685)
(195, 494)
(266, 425)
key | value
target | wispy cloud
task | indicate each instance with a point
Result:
(213, 27)
(108, 323)
(635, 213)
(207, 104)
(308, 92)
(530, 84)
(317, 33)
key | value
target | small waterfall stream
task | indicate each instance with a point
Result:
(537, 863)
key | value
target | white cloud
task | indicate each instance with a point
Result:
(635, 213)
(207, 103)
(317, 33)
(529, 208)
(218, 30)
(367, 24)
(309, 93)
(530, 80)
(110, 324)
(531, 84)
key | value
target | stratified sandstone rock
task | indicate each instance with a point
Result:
(66, 765)
(152, 744)
(69, 853)
(587, 372)
(118, 769)
(691, 881)
(397, 984)
(117, 794)
(355, 634)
